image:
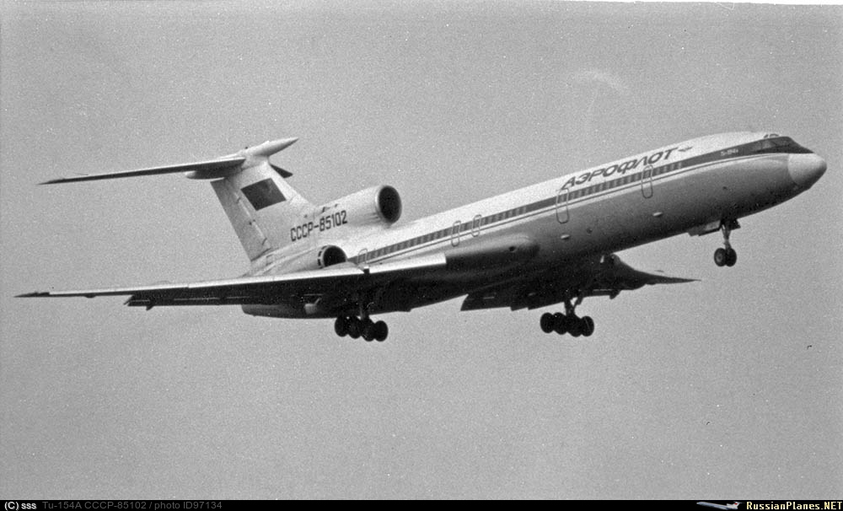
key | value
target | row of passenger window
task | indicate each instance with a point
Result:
(458, 228)
(631, 178)
(479, 221)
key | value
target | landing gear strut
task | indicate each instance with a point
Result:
(567, 322)
(726, 256)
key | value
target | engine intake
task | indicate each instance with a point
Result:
(330, 255)
(312, 259)
(389, 204)
(377, 205)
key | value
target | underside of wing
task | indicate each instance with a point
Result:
(295, 291)
(603, 276)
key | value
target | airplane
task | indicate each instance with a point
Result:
(554, 242)
(724, 507)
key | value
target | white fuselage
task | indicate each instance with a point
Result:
(542, 245)
(686, 187)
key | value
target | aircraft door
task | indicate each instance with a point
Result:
(475, 225)
(362, 259)
(455, 233)
(562, 214)
(647, 182)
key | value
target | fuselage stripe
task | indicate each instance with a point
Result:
(572, 197)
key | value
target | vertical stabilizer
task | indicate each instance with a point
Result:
(260, 204)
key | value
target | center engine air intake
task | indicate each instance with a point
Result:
(389, 204)
(377, 205)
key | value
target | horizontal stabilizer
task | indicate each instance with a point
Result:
(281, 172)
(211, 169)
(198, 167)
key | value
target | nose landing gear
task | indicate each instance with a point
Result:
(726, 256)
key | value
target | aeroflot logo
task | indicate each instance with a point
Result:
(620, 168)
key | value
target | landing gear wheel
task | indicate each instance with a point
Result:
(587, 326)
(575, 326)
(560, 323)
(341, 326)
(731, 257)
(547, 322)
(725, 257)
(355, 328)
(381, 331)
(368, 330)
(567, 322)
(720, 257)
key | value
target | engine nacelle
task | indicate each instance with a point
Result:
(372, 206)
(330, 255)
(316, 259)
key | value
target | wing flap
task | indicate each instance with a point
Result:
(604, 276)
(335, 281)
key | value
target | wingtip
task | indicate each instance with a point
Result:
(677, 280)
(34, 294)
(683, 280)
(73, 179)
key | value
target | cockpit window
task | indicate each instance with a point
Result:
(778, 145)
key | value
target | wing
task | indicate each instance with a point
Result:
(604, 276)
(331, 286)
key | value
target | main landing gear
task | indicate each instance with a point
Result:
(726, 256)
(355, 328)
(360, 325)
(567, 323)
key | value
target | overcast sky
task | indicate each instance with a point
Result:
(726, 388)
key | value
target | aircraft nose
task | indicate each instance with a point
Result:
(805, 169)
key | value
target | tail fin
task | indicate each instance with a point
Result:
(260, 204)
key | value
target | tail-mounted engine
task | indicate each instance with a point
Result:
(312, 259)
(379, 205)
(330, 255)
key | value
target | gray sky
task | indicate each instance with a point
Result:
(726, 388)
